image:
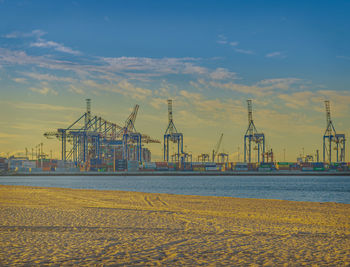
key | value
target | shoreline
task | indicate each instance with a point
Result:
(183, 173)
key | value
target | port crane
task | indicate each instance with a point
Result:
(253, 136)
(129, 135)
(203, 157)
(331, 136)
(88, 134)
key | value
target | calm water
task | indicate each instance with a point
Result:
(298, 188)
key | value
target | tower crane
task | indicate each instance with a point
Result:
(172, 135)
(331, 136)
(253, 136)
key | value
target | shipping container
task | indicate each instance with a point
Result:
(264, 169)
(307, 168)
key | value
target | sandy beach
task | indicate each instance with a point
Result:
(53, 226)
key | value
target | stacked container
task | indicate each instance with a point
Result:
(162, 166)
(318, 166)
(306, 166)
(120, 165)
(133, 165)
(283, 166)
(241, 166)
(3, 165)
(210, 166)
(149, 166)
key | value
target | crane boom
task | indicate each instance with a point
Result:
(217, 147)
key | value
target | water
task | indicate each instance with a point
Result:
(297, 188)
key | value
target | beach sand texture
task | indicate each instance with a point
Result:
(53, 226)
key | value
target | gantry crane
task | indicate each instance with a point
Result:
(203, 158)
(222, 157)
(172, 135)
(253, 136)
(216, 148)
(87, 135)
(330, 136)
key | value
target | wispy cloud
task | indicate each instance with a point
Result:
(222, 39)
(244, 51)
(276, 54)
(233, 43)
(47, 77)
(19, 80)
(16, 34)
(222, 73)
(56, 46)
(40, 42)
(261, 88)
(39, 106)
(43, 89)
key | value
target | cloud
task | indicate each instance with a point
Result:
(243, 51)
(56, 46)
(44, 89)
(19, 80)
(16, 34)
(44, 107)
(157, 103)
(233, 43)
(261, 88)
(276, 54)
(297, 100)
(222, 39)
(76, 89)
(222, 73)
(314, 100)
(123, 87)
(47, 77)
(156, 65)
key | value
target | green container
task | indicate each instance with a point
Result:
(318, 169)
(283, 163)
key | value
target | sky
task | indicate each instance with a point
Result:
(208, 56)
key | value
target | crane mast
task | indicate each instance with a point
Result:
(253, 136)
(172, 135)
(331, 136)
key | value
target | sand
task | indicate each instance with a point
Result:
(53, 226)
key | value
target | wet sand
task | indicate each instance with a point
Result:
(53, 226)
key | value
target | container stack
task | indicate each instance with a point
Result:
(266, 167)
(3, 165)
(149, 166)
(198, 166)
(210, 166)
(172, 166)
(162, 166)
(283, 166)
(306, 166)
(241, 166)
(133, 165)
(318, 166)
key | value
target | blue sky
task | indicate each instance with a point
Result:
(209, 56)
